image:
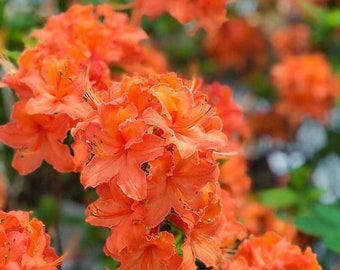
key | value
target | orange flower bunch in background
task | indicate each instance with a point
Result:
(206, 14)
(303, 89)
(24, 243)
(237, 45)
(291, 40)
(104, 37)
(272, 252)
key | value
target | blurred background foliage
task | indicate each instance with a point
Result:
(295, 170)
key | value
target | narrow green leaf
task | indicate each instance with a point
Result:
(313, 225)
(279, 197)
(328, 213)
(332, 242)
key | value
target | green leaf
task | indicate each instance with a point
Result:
(48, 210)
(313, 194)
(22, 20)
(299, 178)
(313, 225)
(332, 242)
(324, 222)
(12, 55)
(279, 197)
(332, 18)
(220, 162)
(328, 213)
(313, 11)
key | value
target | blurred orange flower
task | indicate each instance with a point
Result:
(306, 86)
(270, 123)
(233, 176)
(206, 13)
(258, 218)
(273, 252)
(221, 96)
(291, 40)
(237, 45)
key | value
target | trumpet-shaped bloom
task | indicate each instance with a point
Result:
(37, 137)
(210, 233)
(154, 252)
(25, 244)
(175, 183)
(120, 145)
(184, 116)
(54, 91)
(123, 215)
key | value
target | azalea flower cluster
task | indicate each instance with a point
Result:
(306, 86)
(206, 14)
(51, 99)
(237, 45)
(24, 243)
(149, 143)
(272, 252)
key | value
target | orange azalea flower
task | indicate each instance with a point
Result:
(237, 45)
(124, 216)
(233, 176)
(141, 117)
(112, 207)
(201, 241)
(37, 137)
(312, 82)
(53, 90)
(291, 40)
(12, 78)
(184, 116)
(154, 252)
(152, 62)
(208, 14)
(221, 96)
(272, 252)
(25, 245)
(54, 82)
(174, 183)
(102, 31)
(209, 231)
(120, 144)
(259, 218)
(91, 31)
(233, 230)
